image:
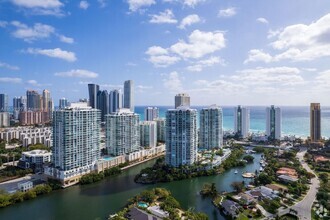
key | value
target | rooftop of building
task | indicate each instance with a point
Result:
(37, 153)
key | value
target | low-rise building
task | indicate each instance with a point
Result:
(230, 208)
(25, 186)
(287, 171)
(157, 211)
(28, 135)
(145, 153)
(287, 179)
(263, 192)
(34, 160)
(108, 162)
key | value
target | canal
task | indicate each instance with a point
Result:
(97, 201)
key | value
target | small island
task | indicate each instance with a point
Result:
(161, 172)
(157, 203)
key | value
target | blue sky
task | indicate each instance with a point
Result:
(230, 52)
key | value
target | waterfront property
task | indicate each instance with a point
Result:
(181, 136)
(242, 121)
(122, 132)
(34, 160)
(273, 123)
(210, 133)
(76, 143)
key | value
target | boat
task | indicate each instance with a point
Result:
(261, 169)
(236, 171)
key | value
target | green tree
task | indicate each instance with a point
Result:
(238, 186)
(248, 158)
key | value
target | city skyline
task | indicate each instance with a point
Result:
(169, 47)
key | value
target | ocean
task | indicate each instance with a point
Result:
(295, 120)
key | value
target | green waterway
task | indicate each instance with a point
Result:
(97, 201)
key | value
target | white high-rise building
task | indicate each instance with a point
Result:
(148, 134)
(161, 129)
(76, 142)
(211, 134)
(129, 95)
(242, 121)
(273, 123)
(122, 132)
(151, 113)
(181, 136)
(182, 99)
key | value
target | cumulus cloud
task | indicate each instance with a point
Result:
(55, 53)
(7, 66)
(262, 20)
(134, 5)
(200, 65)
(300, 42)
(29, 34)
(40, 7)
(199, 44)
(78, 73)
(189, 20)
(83, 5)
(256, 55)
(173, 82)
(36, 32)
(159, 57)
(65, 39)
(228, 12)
(10, 80)
(163, 17)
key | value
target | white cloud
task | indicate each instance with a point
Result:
(173, 82)
(29, 34)
(83, 5)
(163, 17)
(302, 42)
(156, 50)
(41, 7)
(282, 76)
(256, 55)
(199, 44)
(33, 82)
(159, 57)
(7, 66)
(78, 73)
(200, 65)
(228, 12)
(192, 3)
(36, 32)
(10, 80)
(55, 53)
(262, 20)
(134, 5)
(163, 60)
(65, 39)
(189, 20)
(218, 86)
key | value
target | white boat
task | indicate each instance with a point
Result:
(261, 169)
(236, 171)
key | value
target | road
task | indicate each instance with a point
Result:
(304, 206)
